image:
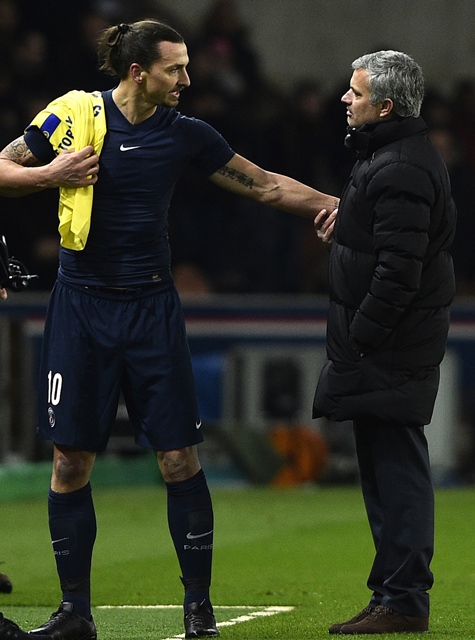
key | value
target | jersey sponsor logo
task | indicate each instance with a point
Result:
(124, 148)
(198, 424)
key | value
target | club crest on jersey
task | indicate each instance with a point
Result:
(51, 417)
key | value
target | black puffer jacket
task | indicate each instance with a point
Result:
(391, 279)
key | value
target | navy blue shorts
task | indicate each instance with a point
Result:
(97, 345)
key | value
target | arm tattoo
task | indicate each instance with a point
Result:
(238, 176)
(19, 152)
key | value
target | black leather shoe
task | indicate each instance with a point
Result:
(11, 631)
(64, 624)
(200, 621)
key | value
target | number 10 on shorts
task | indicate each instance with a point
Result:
(55, 384)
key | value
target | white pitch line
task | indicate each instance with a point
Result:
(260, 613)
(180, 606)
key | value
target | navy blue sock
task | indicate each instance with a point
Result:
(72, 523)
(191, 523)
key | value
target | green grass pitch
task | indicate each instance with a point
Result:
(288, 563)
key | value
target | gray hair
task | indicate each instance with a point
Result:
(394, 75)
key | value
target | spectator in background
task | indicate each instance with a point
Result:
(227, 58)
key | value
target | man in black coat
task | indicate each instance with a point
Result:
(391, 286)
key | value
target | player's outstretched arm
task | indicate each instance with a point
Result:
(21, 173)
(247, 179)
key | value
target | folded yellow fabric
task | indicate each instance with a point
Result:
(72, 122)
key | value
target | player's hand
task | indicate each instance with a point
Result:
(71, 169)
(324, 224)
(3, 294)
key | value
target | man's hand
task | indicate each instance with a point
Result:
(71, 169)
(21, 173)
(324, 223)
(3, 294)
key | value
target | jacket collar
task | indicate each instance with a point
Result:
(368, 138)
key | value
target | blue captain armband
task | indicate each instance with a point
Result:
(39, 145)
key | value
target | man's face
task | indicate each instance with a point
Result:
(359, 110)
(167, 77)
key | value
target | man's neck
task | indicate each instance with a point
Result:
(131, 104)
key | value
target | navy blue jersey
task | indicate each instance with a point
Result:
(138, 169)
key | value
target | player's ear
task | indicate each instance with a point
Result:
(136, 72)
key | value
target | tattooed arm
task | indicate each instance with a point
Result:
(21, 173)
(247, 179)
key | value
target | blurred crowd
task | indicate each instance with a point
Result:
(220, 243)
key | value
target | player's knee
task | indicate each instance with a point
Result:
(179, 464)
(71, 469)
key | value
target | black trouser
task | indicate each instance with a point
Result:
(399, 500)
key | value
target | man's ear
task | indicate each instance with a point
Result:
(387, 106)
(136, 72)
